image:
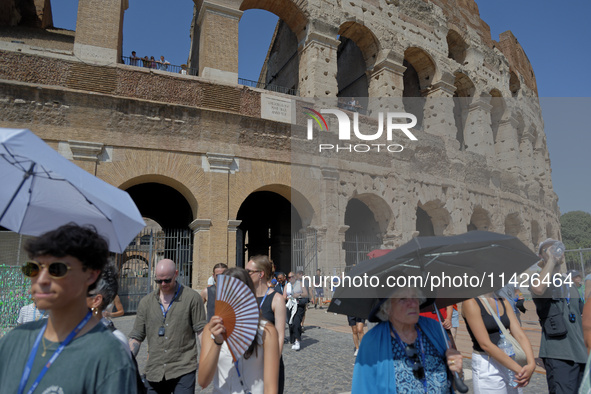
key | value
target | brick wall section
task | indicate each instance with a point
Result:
(511, 48)
(98, 23)
(132, 82)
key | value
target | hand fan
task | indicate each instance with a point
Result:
(237, 306)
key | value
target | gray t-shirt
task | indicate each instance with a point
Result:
(96, 362)
(570, 346)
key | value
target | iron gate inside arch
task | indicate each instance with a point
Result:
(138, 262)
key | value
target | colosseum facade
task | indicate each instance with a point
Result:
(231, 164)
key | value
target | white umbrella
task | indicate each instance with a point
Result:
(41, 190)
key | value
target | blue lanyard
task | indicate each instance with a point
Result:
(424, 380)
(240, 379)
(261, 305)
(169, 305)
(568, 294)
(29, 365)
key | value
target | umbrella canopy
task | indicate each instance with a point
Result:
(41, 190)
(449, 268)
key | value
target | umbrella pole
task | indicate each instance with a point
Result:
(26, 176)
(459, 382)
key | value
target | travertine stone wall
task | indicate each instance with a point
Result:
(206, 137)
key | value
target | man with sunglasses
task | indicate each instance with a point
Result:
(40, 356)
(169, 318)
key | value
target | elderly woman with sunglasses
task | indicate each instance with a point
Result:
(406, 352)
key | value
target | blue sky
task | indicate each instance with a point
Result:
(555, 36)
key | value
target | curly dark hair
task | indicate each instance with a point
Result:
(83, 243)
(107, 284)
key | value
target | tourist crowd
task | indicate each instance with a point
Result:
(74, 287)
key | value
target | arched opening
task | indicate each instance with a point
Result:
(268, 221)
(148, 42)
(424, 225)
(267, 52)
(462, 98)
(438, 216)
(549, 231)
(363, 234)
(497, 111)
(514, 84)
(456, 47)
(417, 77)
(480, 220)
(513, 224)
(269, 32)
(166, 236)
(356, 54)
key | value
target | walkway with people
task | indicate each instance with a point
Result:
(325, 362)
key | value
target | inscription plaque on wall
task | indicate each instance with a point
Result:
(276, 108)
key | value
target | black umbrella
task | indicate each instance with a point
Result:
(448, 268)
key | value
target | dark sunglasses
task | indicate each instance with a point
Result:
(290, 276)
(56, 270)
(417, 368)
(251, 271)
(160, 281)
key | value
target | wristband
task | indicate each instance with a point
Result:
(214, 341)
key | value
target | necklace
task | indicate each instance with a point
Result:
(44, 346)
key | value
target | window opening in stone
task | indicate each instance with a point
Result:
(456, 47)
(149, 27)
(514, 84)
(424, 223)
(363, 234)
(268, 221)
(267, 53)
(497, 112)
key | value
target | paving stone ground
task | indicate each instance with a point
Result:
(325, 362)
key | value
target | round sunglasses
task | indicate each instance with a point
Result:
(56, 269)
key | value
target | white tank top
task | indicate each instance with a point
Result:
(251, 370)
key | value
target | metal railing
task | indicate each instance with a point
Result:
(157, 65)
(357, 246)
(578, 259)
(305, 252)
(268, 86)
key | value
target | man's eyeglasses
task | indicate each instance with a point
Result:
(160, 281)
(413, 356)
(56, 270)
(290, 276)
(251, 271)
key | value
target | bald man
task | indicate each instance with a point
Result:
(169, 318)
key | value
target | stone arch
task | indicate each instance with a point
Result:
(168, 181)
(268, 222)
(438, 216)
(549, 231)
(480, 220)
(418, 76)
(364, 232)
(513, 224)
(356, 54)
(463, 96)
(497, 111)
(514, 83)
(456, 46)
(380, 209)
(288, 11)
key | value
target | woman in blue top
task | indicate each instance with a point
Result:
(405, 353)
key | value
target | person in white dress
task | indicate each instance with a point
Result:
(256, 371)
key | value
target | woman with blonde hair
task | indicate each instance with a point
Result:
(271, 303)
(256, 371)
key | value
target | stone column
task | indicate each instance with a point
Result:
(507, 145)
(99, 31)
(201, 250)
(218, 42)
(386, 80)
(439, 113)
(232, 228)
(318, 64)
(478, 136)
